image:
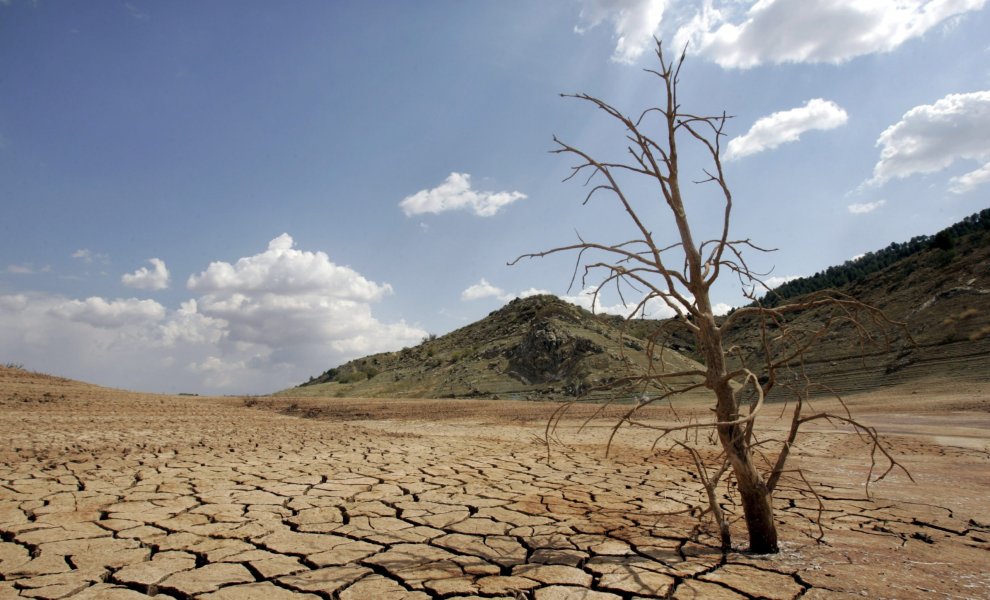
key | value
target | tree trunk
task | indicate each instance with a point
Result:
(756, 499)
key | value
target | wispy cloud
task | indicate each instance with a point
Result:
(135, 12)
(786, 126)
(865, 207)
(634, 23)
(971, 180)
(455, 193)
(19, 269)
(89, 257)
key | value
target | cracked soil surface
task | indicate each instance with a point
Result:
(112, 494)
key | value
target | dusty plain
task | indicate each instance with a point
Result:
(111, 494)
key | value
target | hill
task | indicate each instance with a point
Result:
(963, 236)
(938, 287)
(536, 347)
(543, 347)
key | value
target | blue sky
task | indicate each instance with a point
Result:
(229, 197)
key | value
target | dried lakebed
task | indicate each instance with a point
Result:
(107, 494)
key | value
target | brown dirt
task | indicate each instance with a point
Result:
(111, 494)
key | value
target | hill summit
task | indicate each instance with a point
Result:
(535, 347)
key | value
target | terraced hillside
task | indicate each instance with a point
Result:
(942, 296)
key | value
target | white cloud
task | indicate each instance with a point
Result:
(971, 180)
(721, 309)
(655, 308)
(865, 207)
(478, 291)
(285, 297)
(145, 279)
(188, 326)
(786, 126)
(482, 289)
(88, 256)
(19, 269)
(634, 22)
(283, 270)
(455, 193)
(778, 280)
(266, 322)
(930, 137)
(98, 312)
(811, 31)
(527, 293)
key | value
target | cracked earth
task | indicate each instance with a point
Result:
(110, 494)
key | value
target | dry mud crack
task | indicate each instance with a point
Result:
(129, 496)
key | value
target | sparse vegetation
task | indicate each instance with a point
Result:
(568, 348)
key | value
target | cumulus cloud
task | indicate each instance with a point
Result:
(455, 193)
(284, 296)
(634, 23)
(482, 289)
(811, 31)
(284, 270)
(188, 326)
(148, 279)
(930, 137)
(786, 126)
(263, 323)
(865, 207)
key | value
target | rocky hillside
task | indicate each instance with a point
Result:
(537, 347)
(937, 286)
(941, 293)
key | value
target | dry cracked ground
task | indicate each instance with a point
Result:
(109, 494)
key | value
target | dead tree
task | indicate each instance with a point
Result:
(680, 275)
